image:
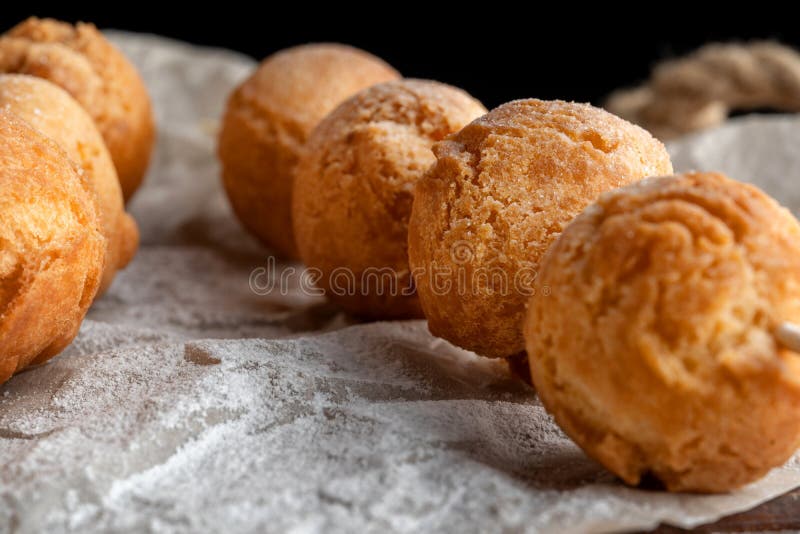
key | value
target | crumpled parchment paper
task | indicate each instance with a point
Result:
(192, 401)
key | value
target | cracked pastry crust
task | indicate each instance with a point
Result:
(51, 247)
(354, 189)
(266, 123)
(500, 193)
(655, 350)
(81, 61)
(53, 112)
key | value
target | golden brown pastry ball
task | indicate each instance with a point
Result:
(654, 349)
(57, 115)
(51, 247)
(268, 119)
(354, 188)
(81, 61)
(501, 191)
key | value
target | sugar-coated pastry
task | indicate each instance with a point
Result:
(354, 188)
(268, 118)
(51, 247)
(53, 112)
(501, 191)
(655, 347)
(81, 61)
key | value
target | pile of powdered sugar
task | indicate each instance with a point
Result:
(190, 402)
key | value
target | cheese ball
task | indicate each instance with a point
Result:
(501, 191)
(51, 247)
(266, 123)
(655, 348)
(57, 115)
(354, 189)
(81, 61)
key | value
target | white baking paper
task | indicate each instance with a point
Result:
(193, 402)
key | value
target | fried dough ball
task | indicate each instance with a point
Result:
(655, 349)
(268, 118)
(51, 247)
(501, 191)
(81, 61)
(354, 188)
(57, 115)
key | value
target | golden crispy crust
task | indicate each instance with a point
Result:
(51, 247)
(501, 191)
(354, 188)
(81, 61)
(53, 112)
(654, 349)
(267, 121)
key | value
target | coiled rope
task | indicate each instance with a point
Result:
(701, 89)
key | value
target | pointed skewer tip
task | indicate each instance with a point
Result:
(788, 335)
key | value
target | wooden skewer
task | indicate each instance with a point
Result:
(788, 335)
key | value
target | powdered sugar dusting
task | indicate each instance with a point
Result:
(189, 403)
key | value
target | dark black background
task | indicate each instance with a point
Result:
(497, 53)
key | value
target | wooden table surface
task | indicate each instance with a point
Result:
(779, 515)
